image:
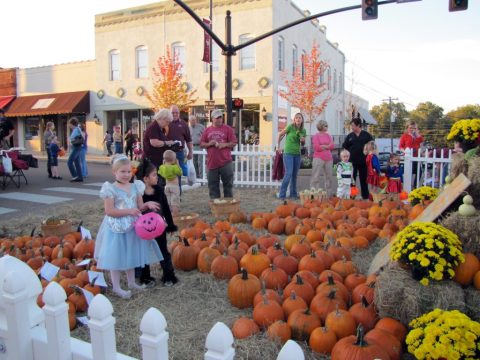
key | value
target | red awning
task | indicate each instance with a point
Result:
(47, 104)
(5, 100)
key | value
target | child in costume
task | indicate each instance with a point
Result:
(373, 167)
(54, 150)
(344, 175)
(394, 174)
(118, 247)
(170, 171)
(154, 192)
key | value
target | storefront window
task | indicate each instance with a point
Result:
(32, 127)
(114, 118)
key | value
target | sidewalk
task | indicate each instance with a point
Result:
(91, 158)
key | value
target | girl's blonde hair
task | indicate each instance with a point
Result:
(169, 155)
(370, 147)
(344, 152)
(119, 160)
(393, 156)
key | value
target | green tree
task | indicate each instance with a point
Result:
(465, 112)
(168, 86)
(431, 123)
(381, 113)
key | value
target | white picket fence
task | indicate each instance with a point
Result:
(252, 165)
(28, 332)
(432, 168)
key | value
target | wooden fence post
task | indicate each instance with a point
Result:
(219, 343)
(291, 350)
(102, 329)
(56, 321)
(154, 338)
(407, 170)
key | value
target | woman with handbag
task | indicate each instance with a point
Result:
(76, 142)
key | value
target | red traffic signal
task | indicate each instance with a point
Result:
(369, 9)
(237, 104)
(457, 5)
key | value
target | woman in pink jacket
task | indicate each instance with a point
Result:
(322, 143)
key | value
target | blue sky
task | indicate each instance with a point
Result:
(415, 52)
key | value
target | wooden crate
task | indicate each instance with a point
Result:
(224, 209)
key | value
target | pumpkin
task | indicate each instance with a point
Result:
(311, 263)
(302, 323)
(237, 217)
(184, 256)
(323, 304)
(344, 267)
(364, 314)
(300, 249)
(286, 262)
(353, 191)
(301, 288)
(476, 280)
(467, 208)
(224, 266)
(205, 258)
(403, 196)
(274, 251)
(78, 299)
(149, 226)
(266, 312)
(465, 272)
(279, 331)
(341, 322)
(276, 225)
(366, 290)
(322, 340)
(242, 289)
(244, 327)
(394, 327)
(84, 248)
(326, 273)
(259, 223)
(356, 348)
(269, 294)
(352, 280)
(292, 303)
(255, 262)
(387, 341)
(274, 277)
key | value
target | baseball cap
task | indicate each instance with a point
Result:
(217, 113)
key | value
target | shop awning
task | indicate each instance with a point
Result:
(48, 104)
(5, 100)
(365, 115)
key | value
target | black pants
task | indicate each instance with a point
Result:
(129, 150)
(166, 263)
(361, 169)
(49, 162)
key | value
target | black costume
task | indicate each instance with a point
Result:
(159, 197)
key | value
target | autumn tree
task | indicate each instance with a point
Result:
(305, 91)
(465, 112)
(382, 114)
(431, 123)
(168, 85)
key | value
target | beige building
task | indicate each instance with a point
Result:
(128, 43)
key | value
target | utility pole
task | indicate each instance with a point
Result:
(392, 120)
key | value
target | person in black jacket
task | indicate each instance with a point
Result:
(147, 172)
(354, 143)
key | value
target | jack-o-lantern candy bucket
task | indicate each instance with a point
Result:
(149, 226)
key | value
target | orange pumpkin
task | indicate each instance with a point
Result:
(244, 327)
(279, 331)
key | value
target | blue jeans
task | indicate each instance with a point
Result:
(292, 165)
(118, 147)
(74, 162)
(183, 166)
(83, 161)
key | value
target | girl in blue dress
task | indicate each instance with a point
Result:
(117, 247)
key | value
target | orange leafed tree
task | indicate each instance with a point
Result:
(168, 85)
(305, 90)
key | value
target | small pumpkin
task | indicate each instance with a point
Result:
(242, 289)
(467, 208)
(244, 327)
(356, 348)
(322, 340)
(279, 331)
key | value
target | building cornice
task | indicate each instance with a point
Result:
(164, 9)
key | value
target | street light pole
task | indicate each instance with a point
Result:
(229, 52)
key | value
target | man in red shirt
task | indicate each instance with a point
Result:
(219, 140)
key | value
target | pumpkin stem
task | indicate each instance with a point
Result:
(364, 301)
(33, 231)
(185, 241)
(331, 294)
(330, 279)
(244, 274)
(360, 334)
(299, 280)
(80, 226)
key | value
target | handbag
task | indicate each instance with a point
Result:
(278, 170)
(78, 140)
(7, 163)
(191, 176)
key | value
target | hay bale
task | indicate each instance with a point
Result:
(466, 228)
(472, 302)
(399, 296)
(473, 174)
(459, 165)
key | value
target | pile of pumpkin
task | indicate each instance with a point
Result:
(63, 252)
(325, 286)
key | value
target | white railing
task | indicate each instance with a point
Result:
(252, 165)
(432, 167)
(30, 333)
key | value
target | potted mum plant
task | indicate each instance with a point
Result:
(466, 133)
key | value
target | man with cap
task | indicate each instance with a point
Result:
(219, 140)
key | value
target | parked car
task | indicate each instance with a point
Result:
(383, 158)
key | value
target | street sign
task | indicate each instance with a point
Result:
(209, 105)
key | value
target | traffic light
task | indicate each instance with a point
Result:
(458, 5)
(369, 9)
(237, 104)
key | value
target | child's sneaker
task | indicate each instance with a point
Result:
(168, 283)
